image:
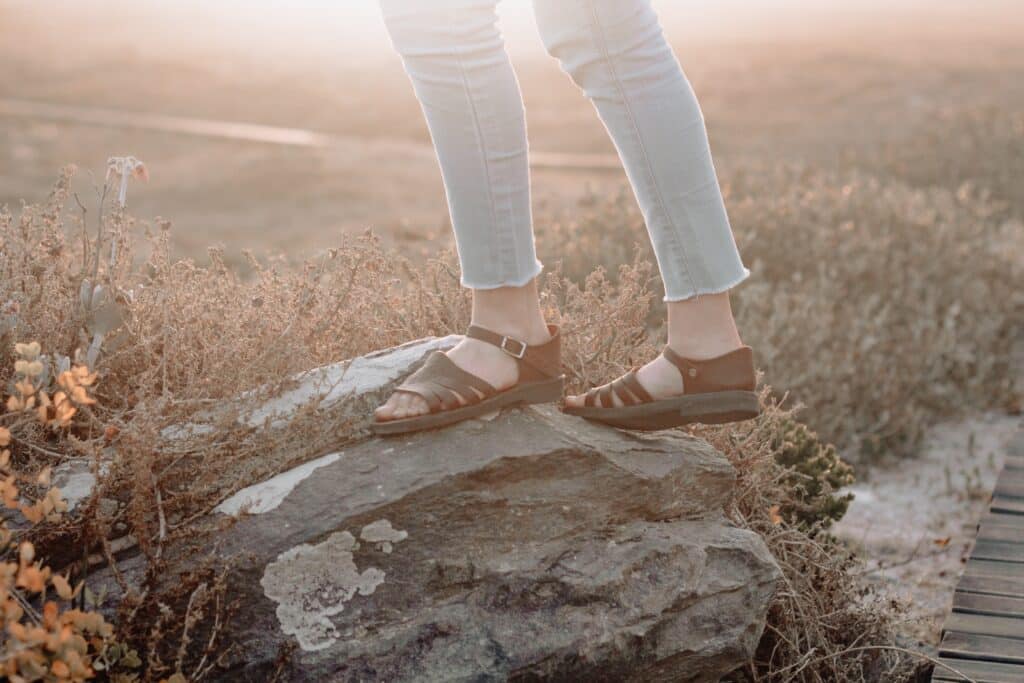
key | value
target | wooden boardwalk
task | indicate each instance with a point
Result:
(984, 635)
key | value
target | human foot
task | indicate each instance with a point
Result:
(659, 378)
(705, 374)
(490, 363)
(699, 329)
(452, 394)
(711, 391)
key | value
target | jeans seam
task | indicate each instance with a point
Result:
(602, 44)
(483, 155)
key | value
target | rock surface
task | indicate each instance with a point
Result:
(528, 546)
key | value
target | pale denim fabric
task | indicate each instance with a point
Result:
(615, 51)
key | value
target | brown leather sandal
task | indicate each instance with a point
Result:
(716, 390)
(440, 382)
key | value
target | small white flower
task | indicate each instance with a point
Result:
(124, 168)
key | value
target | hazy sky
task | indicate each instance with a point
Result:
(357, 23)
(347, 27)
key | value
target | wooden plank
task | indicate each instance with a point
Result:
(987, 585)
(1015, 449)
(986, 625)
(1004, 551)
(989, 648)
(1002, 520)
(1003, 504)
(996, 605)
(1001, 532)
(1002, 570)
(983, 637)
(1009, 487)
(982, 672)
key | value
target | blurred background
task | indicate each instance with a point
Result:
(784, 80)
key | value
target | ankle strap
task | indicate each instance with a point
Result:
(545, 358)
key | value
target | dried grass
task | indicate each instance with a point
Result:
(883, 307)
(880, 305)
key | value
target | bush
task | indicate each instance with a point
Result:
(814, 473)
(46, 638)
(825, 624)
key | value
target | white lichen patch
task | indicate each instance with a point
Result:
(76, 481)
(267, 495)
(383, 534)
(311, 583)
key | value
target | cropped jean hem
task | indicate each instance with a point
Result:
(515, 282)
(714, 289)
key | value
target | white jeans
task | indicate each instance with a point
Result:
(616, 53)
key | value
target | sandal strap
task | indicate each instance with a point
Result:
(627, 387)
(440, 382)
(732, 370)
(634, 386)
(619, 389)
(686, 367)
(542, 361)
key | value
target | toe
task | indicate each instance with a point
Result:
(417, 406)
(387, 410)
(402, 408)
(575, 401)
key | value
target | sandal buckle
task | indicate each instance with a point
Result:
(515, 354)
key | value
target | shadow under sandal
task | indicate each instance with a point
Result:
(440, 382)
(715, 390)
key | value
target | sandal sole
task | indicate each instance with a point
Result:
(531, 393)
(718, 407)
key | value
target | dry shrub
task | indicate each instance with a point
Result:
(176, 343)
(824, 624)
(980, 145)
(896, 308)
(604, 322)
(46, 637)
(880, 306)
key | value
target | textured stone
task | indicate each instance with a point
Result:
(528, 546)
(75, 480)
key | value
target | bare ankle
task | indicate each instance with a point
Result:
(703, 327)
(704, 347)
(531, 331)
(512, 311)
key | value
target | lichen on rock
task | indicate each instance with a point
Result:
(312, 583)
(383, 534)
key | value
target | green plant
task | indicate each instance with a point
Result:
(814, 473)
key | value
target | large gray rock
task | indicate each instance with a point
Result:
(528, 545)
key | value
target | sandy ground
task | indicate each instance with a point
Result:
(915, 519)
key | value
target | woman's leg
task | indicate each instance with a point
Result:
(616, 53)
(456, 60)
